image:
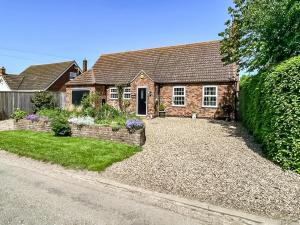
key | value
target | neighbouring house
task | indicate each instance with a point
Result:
(45, 77)
(186, 79)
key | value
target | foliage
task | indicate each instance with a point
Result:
(43, 100)
(18, 114)
(134, 124)
(270, 109)
(32, 117)
(120, 88)
(261, 33)
(90, 104)
(162, 107)
(87, 120)
(60, 126)
(71, 152)
(51, 113)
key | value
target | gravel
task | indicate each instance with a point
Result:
(211, 161)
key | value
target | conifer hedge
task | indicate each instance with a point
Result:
(270, 109)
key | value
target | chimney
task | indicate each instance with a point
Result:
(84, 65)
(2, 71)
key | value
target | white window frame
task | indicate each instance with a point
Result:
(110, 93)
(203, 95)
(128, 93)
(184, 95)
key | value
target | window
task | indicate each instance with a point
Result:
(73, 75)
(113, 93)
(210, 96)
(77, 96)
(178, 96)
(126, 93)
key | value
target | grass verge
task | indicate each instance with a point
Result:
(71, 152)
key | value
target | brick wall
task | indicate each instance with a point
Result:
(194, 99)
(59, 85)
(100, 132)
(93, 88)
(142, 80)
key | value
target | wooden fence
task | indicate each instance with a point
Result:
(11, 100)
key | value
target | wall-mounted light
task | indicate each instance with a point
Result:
(150, 93)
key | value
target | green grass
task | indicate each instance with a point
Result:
(71, 152)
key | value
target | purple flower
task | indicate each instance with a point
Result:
(32, 117)
(134, 124)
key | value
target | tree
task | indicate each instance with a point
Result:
(261, 33)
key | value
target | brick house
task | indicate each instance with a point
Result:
(186, 79)
(45, 77)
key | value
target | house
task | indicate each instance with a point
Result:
(45, 77)
(186, 79)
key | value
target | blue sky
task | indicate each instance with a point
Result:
(37, 32)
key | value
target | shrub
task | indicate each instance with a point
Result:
(60, 126)
(90, 104)
(51, 113)
(32, 117)
(134, 124)
(43, 100)
(87, 120)
(18, 114)
(270, 109)
(107, 112)
(162, 107)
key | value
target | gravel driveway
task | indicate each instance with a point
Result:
(215, 162)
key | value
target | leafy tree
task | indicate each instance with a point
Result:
(261, 33)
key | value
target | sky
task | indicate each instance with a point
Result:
(37, 32)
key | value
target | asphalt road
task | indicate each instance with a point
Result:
(34, 193)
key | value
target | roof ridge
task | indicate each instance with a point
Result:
(47, 64)
(163, 47)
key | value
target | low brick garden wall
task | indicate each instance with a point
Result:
(95, 131)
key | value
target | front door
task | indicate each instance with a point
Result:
(142, 101)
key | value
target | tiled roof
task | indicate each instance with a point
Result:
(12, 81)
(39, 77)
(190, 63)
(86, 78)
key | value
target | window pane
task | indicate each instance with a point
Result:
(178, 100)
(77, 96)
(178, 91)
(210, 101)
(127, 94)
(209, 90)
(113, 93)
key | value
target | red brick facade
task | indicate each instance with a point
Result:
(163, 93)
(60, 84)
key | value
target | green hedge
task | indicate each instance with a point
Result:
(270, 109)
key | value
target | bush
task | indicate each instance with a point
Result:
(60, 126)
(18, 114)
(270, 109)
(43, 100)
(51, 113)
(90, 104)
(87, 120)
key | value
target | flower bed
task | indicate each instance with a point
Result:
(96, 131)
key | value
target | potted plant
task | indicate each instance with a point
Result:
(194, 115)
(162, 112)
(227, 109)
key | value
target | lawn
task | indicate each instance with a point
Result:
(71, 152)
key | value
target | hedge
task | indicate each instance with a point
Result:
(270, 109)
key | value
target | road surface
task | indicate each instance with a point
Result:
(35, 193)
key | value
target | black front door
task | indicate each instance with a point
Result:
(142, 101)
